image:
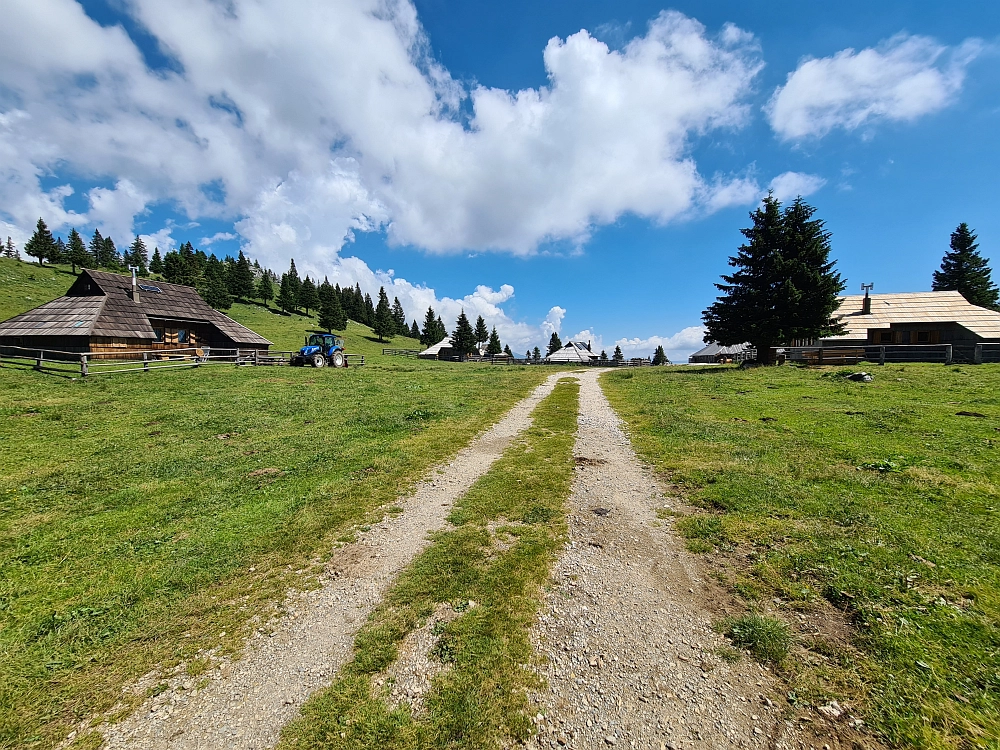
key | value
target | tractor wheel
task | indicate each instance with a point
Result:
(337, 360)
(319, 360)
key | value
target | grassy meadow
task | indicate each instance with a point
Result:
(147, 516)
(489, 568)
(874, 505)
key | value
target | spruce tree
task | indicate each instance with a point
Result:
(482, 334)
(265, 288)
(507, 351)
(384, 325)
(76, 252)
(42, 244)
(331, 312)
(463, 340)
(554, 343)
(369, 311)
(106, 254)
(660, 356)
(308, 295)
(527, 356)
(618, 356)
(214, 289)
(414, 330)
(430, 329)
(494, 346)
(138, 256)
(287, 298)
(965, 271)
(11, 250)
(785, 286)
(294, 283)
(536, 355)
(604, 356)
(156, 263)
(440, 332)
(240, 278)
(399, 317)
(59, 252)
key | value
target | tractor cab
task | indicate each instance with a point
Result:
(325, 341)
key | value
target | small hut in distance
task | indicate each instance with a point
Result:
(573, 352)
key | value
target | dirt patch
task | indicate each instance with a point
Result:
(585, 461)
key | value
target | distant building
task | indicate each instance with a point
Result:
(573, 351)
(441, 350)
(716, 354)
(106, 312)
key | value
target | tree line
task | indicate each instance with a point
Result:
(785, 287)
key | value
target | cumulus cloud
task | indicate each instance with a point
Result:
(217, 237)
(678, 346)
(901, 79)
(791, 185)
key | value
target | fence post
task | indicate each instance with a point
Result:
(83, 365)
(145, 362)
(820, 355)
(881, 355)
(977, 358)
(947, 354)
(39, 359)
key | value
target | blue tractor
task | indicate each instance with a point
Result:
(321, 349)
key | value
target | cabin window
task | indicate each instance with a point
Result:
(923, 337)
(885, 337)
(182, 335)
(158, 335)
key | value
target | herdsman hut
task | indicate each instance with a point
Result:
(108, 312)
(573, 351)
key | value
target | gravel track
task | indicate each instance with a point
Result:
(624, 636)
(245, 703)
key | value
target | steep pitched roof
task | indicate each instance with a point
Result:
(434, 350)
(572, 351)
(915, 307)
(101, 304)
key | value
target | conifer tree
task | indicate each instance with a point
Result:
(430, 329)
(494, 346)
(59, 252)
(414, 330)
(785, 286)
(527, 356)
(76, 251)
(369, 311)
(214, 289)
(399, 317)
(463, 340)
(604, 356)
(294, 283)
(554, 343)
(104, 251)
(42, 245)
(660, 356)
(11, 250)
(331, 312)
(507, 351)
(536, 355)
(265, 288)
(965, 271)
(156, 262)
(287, 298)
(138, 256)
(618, 356)
(240, 278)
(482, 334)
(440, 332)
(308, 295)
(384, 324)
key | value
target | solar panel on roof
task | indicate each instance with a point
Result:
(150, 288)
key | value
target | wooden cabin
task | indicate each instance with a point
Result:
(108, 312)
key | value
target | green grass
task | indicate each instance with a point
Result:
(874, 500)
(144, 515)
(480, 700)
(767, 638)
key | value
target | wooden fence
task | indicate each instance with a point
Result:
(894, 354)
(401, 352)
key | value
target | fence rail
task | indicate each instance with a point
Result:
(401, 352)
(894, 354)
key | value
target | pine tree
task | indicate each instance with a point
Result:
(59, 252)
(41, 245)
(965, 271)
(618, 356)
(494, 346)
(240, 278)
(429, 330)
(105, 253)
(138, 256)
(265, 288)
(482, 334)
(331, 312)
(384, 325)
(11, 250)
(414, 330)
(440, 332)
(660, 356)
(369, 311)
(785, 286)
(507, 351)
(604, 356)
(156, 264)
(214, 289)
(308, 295)
(76, 251)
(294, 284)
(399, 317)
(554, 343)
(287, 297)
(527, 356)
(536, 355)
(463, 340)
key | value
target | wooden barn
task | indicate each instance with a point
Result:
(108, 312)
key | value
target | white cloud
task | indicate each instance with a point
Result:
(901, 79)
(677, 346)
(307, 122)
(791, 185)
(217, 237)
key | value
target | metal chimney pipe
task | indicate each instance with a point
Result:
(866, 303)
(135, 283)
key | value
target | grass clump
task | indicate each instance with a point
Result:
(873, 506)
(767, 638)
(479, 699)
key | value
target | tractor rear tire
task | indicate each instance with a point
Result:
(337, 360)
(319, 360)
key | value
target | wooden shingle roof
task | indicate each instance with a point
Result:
(915, 307)
(100, 304)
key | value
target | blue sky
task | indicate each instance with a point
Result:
(579, 166)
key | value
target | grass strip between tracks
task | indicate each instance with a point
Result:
(507, 532)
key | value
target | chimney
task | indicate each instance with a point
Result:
(866, 303)
(135, 283)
